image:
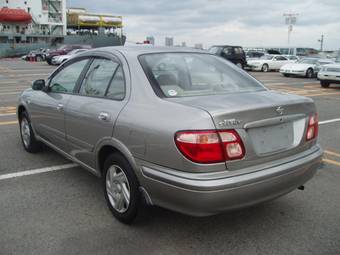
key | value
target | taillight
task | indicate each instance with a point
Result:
(210, 146)
(313, 127)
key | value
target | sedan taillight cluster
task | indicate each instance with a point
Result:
(210, 146)
(313, 127)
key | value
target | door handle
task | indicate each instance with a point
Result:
(104, 116)
(60, 107)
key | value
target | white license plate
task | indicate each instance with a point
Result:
(272, 138)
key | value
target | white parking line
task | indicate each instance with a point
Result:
(37, 171)
(328, 121)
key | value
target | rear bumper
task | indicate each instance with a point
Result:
(207, 194)
(254, 68)
(292, 72)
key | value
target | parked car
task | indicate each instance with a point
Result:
(307, 67)
(268, 63)
(292, 57)
(254, 54)
(36, 55)
(63, 50)
(329, 74)
(234, 54)
(57, 60)
(179, 128)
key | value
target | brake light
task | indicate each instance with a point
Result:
(210, 146)
(313, 127)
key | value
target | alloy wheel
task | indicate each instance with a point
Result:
(118, 189)
(25, 132)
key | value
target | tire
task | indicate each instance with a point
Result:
(324, 84)
(265, 68)
(286, 75)
(309, 73)
(28, 139)
(119, 179)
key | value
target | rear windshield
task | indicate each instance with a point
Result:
(267, 57)
(195, 74)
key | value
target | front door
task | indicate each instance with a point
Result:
(92, 112)
(47, 108)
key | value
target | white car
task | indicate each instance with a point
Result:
(268, 62)
(57, 60)
(307, 67)
(292, 57)
(329, 74)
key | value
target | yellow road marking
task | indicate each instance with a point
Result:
(333, 162)
(324, 94)
(332, 153)
(309, 93)
(7, 110)
(4, 123)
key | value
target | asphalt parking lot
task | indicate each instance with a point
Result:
(64, 212)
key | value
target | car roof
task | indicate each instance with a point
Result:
(139, 50)
(235, 46)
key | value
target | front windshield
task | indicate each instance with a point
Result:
(266, 57)
(194, 74)
(308, 61)
(325, 62)
(72, 52)
(62, 47)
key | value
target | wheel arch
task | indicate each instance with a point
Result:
(21, 108)
(109, 146)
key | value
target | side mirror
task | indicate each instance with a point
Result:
(38, 84)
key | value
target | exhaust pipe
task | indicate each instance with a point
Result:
(301, 187)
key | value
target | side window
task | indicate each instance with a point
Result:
(228, 50)
(238, 51)
(116, 90)
(98, 77)
(66, 79)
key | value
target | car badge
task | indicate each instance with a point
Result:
(229, 122)
(280, 110)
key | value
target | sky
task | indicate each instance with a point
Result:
(241, 22)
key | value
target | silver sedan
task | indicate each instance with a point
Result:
(178, 128)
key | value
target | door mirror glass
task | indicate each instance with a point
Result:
(38, 84)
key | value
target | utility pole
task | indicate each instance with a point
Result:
(321, 42)
(290, 19)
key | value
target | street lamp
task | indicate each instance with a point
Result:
(290, 19)
(321, 42)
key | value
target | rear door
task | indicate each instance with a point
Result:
(92, 112)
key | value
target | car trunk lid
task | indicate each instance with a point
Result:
(271, 124)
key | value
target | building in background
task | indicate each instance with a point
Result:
(184, 44)
(27, 17)
(27, 25)
(151, 40)
(169, 41)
